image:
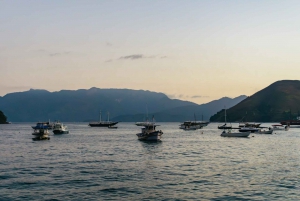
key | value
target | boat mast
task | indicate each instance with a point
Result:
(225, 114)
(100, 116)
(107, 116)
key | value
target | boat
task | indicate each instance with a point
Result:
(40, 134)
(249, 129)
(280, 127)
(43, 125)
(193, 125)
(269, 131)
(291, 122)
(247, 124)
(103, 123)
(228, 133)
(60, 128)
(148, 132)
(225, 126)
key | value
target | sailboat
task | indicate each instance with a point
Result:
(225, 126)
(108, 124)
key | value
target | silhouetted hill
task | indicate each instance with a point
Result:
(184, 113)
(2, 118)
(275, 103)
(83, 105)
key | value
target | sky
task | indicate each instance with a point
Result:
(191, 50)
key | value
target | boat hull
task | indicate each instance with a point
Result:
(102, 124)
(41, 138)
(154, 136)
(265, 132)
(60, 132)
(229, 134)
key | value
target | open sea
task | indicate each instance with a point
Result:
(111, 164)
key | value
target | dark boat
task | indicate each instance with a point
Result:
(291, 122)
(43, 125)
(103, 123)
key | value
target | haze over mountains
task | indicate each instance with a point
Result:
(122, 104)
(277, 102)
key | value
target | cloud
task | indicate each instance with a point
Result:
(182, 96)
(110, 60)
(108, 44)
(133, 56)
(59, 53)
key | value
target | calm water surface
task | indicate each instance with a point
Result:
(111, 164)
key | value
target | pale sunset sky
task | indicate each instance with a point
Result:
(189, 49)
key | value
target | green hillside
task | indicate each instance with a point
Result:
(277, 102)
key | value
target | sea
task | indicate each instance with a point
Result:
(112, 164)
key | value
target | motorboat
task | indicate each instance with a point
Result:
(190, 125)
(60, 128)
(229, 133)
(280, 127)
(103, 123)
(249, 129)
(149, 133)
(269, 131)
(43, 125)
(41, 134)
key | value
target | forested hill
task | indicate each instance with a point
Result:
(277, 102)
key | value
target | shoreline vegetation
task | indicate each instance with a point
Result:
(3, 118)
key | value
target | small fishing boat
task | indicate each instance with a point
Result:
(41, 134)
(228, 133)
(149, 133)
(60, 128)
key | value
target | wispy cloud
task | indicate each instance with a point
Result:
(199, 96)
(182, 96)
(53, 54)
(133, 56)
(108, 44)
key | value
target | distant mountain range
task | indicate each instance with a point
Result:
(277, 102)
(122, 104)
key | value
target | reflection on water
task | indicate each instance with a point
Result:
(112, 164)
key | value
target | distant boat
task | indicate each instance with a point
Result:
(148, 132)
(225, 126)
(280, 127)
(41, 134)
(291, 122)
(247, 124)
(270, 131)
(193, 125)
(103, 123)
(43, 125)
(60, 128)
(249, 129)
(228, 133)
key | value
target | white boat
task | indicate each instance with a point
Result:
(60, 128)
(270, 131)
(280, 127)
(148, 132)
(228, 133)
(249, 129)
